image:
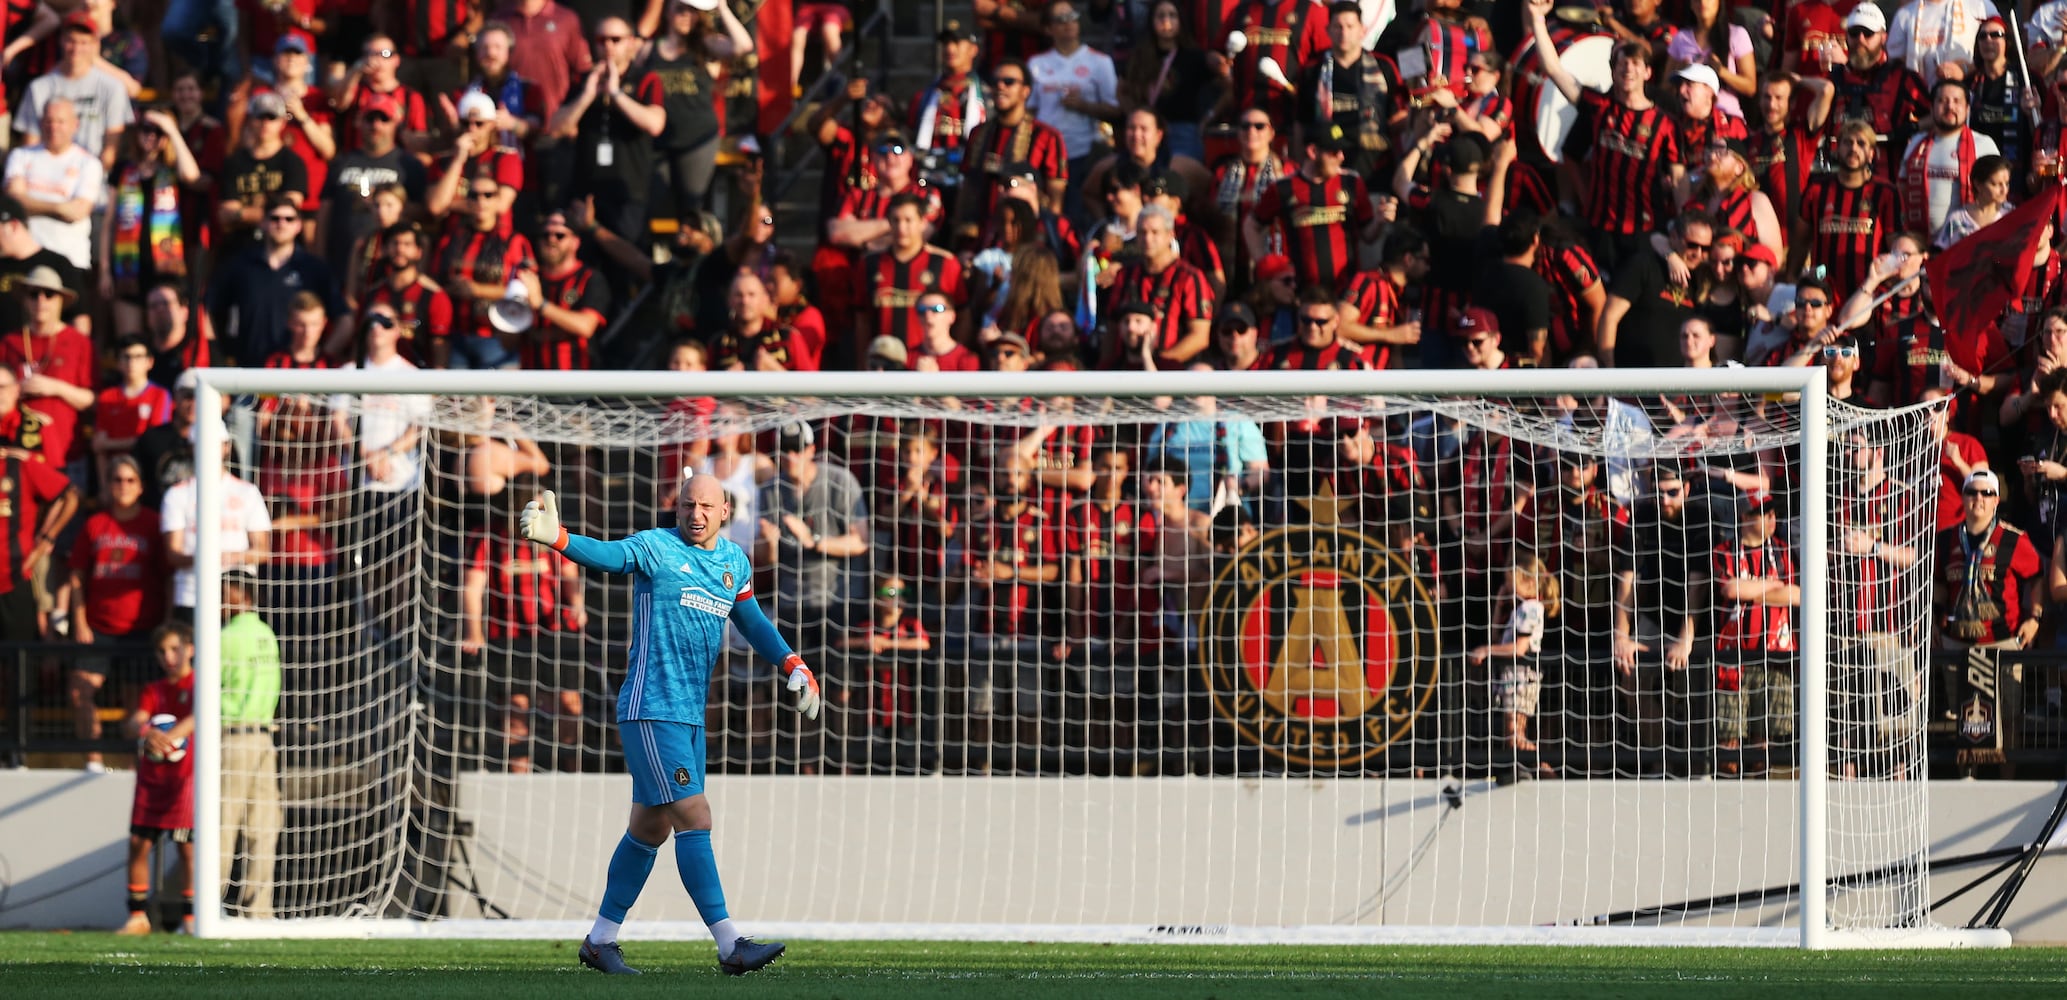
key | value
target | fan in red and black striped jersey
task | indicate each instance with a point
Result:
(862, 223)
(1701, 121)
(847, 162)
(420, 305)
(1315, 347)
(1727, 189)
(1012, 135)
(1791, 113)
(1634, 159)
(1373, 312)
(1178, 295)
(755, 338)
(1577, 294)
(1847, 218)
(891, 280)
(475, 262)
(572, 304)
(1195, 246)
(1323, 213)
(475, 155)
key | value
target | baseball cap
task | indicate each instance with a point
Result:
(79, 20)
(1867, 16)
(476, 104)
(1701, 73)
(1166, 182)
(1737, 147)
(1761, 253)
(1757, 502)
(376, 103)
(1009, 339)
(291, 42)
(889, 349)
(1133, 307)
(1474, 321)
(268, 105)
(956, 31)
(1981, 478)
(1273, 267)
(1236, 316)
(796, 437)
(704, 5)
(1330, 139)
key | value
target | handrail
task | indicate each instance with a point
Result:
(16, 738)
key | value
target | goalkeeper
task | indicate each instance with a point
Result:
(690, 582)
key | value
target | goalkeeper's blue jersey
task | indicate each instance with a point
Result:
(682, 599)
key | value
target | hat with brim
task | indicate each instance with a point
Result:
(46, 279)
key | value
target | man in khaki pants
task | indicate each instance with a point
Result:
(250, 767)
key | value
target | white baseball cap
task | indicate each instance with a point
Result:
(476, 105)
(1868, 16)
(1700, 73)
(1984, 478)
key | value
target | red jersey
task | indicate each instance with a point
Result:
(547, 346)
(994, 145)
(1179, 294)
(484, 258)
(1624, 192)
(1570, 271)
(67, 356)
(1697, 134)
(1292, 355)
(165, 789)
(23, 428)
(1376, 302)
(1026, 539)
(123, 566)
(923, 522)
(422, 311)
(1913, 351)
(525, 585)
(506, 167)
(1750, 629)
(117, 414)
(1847, 227)
(947, 97)
(1890, 97)
(1984, 582)
(1864, 587)
(773, 339)
(427, 27)
(1104, 539)
(1320, 220)
(1781, 161)
(416, 115)
(1293, 32)
(890, 290)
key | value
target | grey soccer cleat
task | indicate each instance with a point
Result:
(606, 958)
(749, 955)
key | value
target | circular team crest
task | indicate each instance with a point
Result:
(682, 776)
(1323, 645)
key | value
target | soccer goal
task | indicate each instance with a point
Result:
(1521, 656)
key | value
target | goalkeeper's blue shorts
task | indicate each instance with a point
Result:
(665, 760)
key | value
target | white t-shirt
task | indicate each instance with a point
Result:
(1925, 33)
(243, 512)
(1090, 72)
(2048, 25)
(383, 420)
(75, 173)
(1943, 165)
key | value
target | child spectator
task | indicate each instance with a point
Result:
(133, 405)
(164, 805)
(1534, 590)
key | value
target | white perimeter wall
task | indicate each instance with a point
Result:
(1133, 851)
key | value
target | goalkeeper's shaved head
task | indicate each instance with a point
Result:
(703, 509)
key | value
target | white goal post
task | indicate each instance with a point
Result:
(1235, 913)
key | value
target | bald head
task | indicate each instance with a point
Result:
(702, 510)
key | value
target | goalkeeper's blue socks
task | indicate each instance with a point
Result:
(698, 865)
(629, 866)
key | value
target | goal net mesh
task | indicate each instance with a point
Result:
(1190, 663)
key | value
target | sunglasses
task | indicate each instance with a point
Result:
(380, 321)
(612, 39)
(1479, 343)
(481, 123)
(1813, 303)
(890, 592)
(283, 219)
(1256, 126)
(381, 54)
(137, 356)
(1008, 81)
(267, 116)
(1982, 493)
(44, 293)
(1860, 32)
(1991, 34)
(1066, 17)
(1840, 352)
(1691, 245)
(890, 149)
(556, 235)
(1317, 320)
(933, 308)
(767, 220)
(479, 195)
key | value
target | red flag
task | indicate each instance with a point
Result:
(1975, 279)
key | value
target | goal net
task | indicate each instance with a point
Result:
(1313, 657)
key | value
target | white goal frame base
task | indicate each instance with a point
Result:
(1607, 937)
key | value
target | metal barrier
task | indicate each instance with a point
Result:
(36, 678)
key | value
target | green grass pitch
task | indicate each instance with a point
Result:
(52, 965)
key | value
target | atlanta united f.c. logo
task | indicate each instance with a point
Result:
(1323, 648)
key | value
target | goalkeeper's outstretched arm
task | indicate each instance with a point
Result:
(540, 523)
(759, 632)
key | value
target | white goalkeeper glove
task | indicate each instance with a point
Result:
(540, 522)
(804, 684)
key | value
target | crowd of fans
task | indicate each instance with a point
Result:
(1225, 184)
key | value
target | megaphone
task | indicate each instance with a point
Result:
(1271, 71)
(512, 313)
